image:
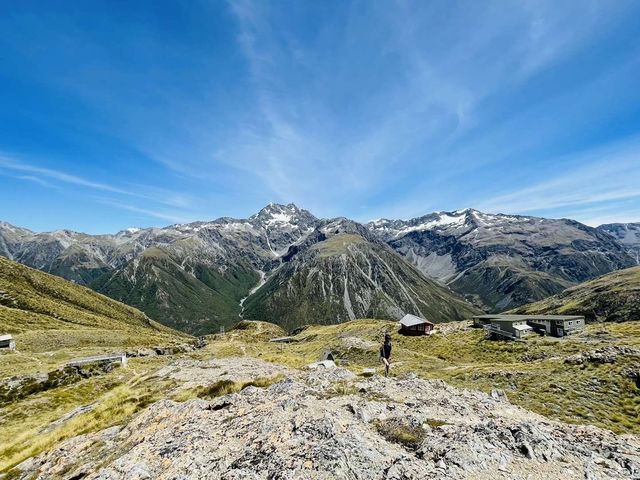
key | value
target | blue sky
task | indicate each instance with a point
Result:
(117, 114)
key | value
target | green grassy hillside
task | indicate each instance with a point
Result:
(195, 299)
(612, 297)
(53, 319)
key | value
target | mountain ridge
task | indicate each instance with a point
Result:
(503, 260)
(196, 275)
(628, 234)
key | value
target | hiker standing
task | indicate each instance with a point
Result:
(385, 353)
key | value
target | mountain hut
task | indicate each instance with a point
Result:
(413, 325)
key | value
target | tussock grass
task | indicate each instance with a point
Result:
(48, 316)
(114, 406)
(26, 429)
(400, 431)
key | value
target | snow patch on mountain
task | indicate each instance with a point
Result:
(444, 220)
(281, 217)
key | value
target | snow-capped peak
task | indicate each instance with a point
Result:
(276, 214)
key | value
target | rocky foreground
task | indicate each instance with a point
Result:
(328, 424)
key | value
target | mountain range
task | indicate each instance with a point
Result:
(287, 266)
(502, 261)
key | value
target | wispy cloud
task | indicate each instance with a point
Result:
(43, 176)
(9, 163)
(596, 177)
(347, 108)
(38, 180)
(173, 217)
(430, 100)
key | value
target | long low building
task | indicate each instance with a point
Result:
(555, 325)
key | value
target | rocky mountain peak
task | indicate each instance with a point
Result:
(276, 214)
(6, 226)
(280, 213)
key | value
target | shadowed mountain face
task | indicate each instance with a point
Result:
(200, 276)
(502, 261)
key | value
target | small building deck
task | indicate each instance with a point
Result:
(283, 340)
(120, 358)
(492, 331)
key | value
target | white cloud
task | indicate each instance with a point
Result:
(40, 175)
(173, 217)
(599, 176)
(295, 140)
(15, 165)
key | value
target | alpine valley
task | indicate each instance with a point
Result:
(288, 267)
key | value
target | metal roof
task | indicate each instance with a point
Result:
(508, 317)
(411, 320)
(5, 337)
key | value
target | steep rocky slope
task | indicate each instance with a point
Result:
(503, 261)
(332, 424)
(344, 276)
(628, 234)
(612, 297)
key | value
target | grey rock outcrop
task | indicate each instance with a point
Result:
(330, 424)
(602, 355)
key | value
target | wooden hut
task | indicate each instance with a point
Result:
(413, 325)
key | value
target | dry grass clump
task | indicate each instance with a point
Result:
(47, 314)
(114, 406)
(406, 432)
(224, 387)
